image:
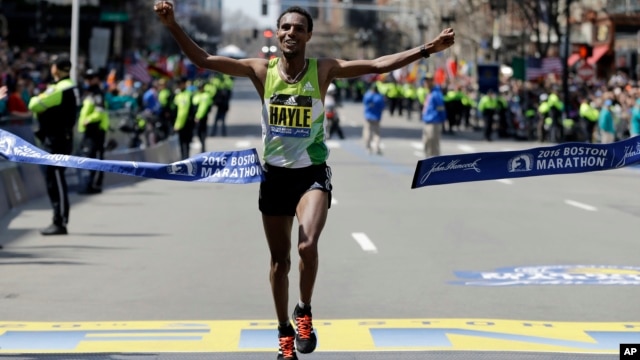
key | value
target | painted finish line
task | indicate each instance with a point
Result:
(334, 335)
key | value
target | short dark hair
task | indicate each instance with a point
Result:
(62, 62)
(301, 11)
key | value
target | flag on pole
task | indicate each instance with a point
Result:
(540, 67)
(137, 68)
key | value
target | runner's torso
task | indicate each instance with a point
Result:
(293, 120)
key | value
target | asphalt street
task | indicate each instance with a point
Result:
(472, 256)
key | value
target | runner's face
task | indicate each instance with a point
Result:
(292, 34)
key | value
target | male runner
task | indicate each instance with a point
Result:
(297, 177)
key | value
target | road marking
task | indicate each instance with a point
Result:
(417, 145)
(580, 205)
(243, 144)
(365, 243)
(333, 144)
(419, 154)
(346, 335)
(467, 148)
(333, 201)
(505, 181)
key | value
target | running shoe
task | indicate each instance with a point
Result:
(286, 339)
(306, 339)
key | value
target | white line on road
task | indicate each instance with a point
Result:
(580, 205)
(417, 145)
(419, 154)
(332, 144)
(505, 181)
(333, 200)
(365, 243)
(467, 148)
(243, 144)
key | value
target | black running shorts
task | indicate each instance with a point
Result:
(283, 188)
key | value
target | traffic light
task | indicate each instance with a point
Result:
(267, 33)
(265, 8)
(255, 33)
(585, 51)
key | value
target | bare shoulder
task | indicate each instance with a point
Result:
(327, 70)
(258, 72)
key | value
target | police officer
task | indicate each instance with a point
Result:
(56, 110)
(203, 101)
(93, 124)
(185, 117)
(488, 105)
(589, 116)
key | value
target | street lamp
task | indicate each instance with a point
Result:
(268, 50)
(364, 39)
(448, 16)
(422, 27)
(499, 7)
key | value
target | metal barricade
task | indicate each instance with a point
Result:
(122, 123)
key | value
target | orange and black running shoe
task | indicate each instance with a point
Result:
(286, 339)
(306, 339)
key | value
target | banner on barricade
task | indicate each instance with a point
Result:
(569, 158)
(231, 167)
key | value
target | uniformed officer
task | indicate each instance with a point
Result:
(93, 124)
(203, 101)
(56, 110)
(185, 117)
(488, 106)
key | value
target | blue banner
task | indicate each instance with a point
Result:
(488, 78)
(230, 167)
(569, 158)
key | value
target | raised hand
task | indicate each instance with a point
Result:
(3, 92)
(164, 10)
(444, 40)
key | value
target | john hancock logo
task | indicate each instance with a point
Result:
(522, 162)
(629, 152)
(451, 166)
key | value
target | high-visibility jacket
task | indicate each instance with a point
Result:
(56, 109)
(93, 111)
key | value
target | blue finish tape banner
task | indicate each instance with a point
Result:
(230, 167)
(569, 158)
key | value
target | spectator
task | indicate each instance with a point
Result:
(374, 104)
(16, 107)
(606, 123)
(433, 116)
(634, 128)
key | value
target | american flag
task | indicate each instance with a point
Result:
(537, 67)
(138, 69)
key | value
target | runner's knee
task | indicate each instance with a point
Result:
(308, 250)
(280, 265)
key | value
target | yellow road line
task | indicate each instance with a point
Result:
(334, 335)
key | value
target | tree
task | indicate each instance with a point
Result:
(542, 17)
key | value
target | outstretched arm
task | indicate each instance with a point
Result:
(255, 69)
(348, 69)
